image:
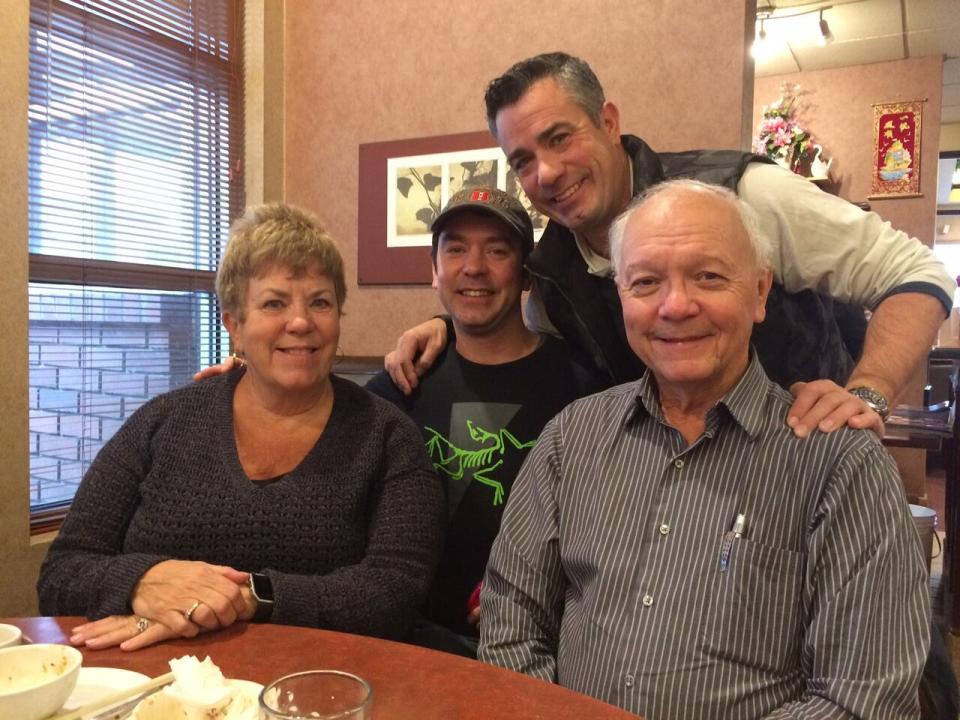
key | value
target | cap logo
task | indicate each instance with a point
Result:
(480, 195)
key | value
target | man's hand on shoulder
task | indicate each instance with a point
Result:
(416, 351)
(225, 366)
(823, 405)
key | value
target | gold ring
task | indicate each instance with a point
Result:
(188, 614)
(142, 624)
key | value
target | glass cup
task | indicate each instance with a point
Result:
(317, 695)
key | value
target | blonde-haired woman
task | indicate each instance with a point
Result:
(276, 492)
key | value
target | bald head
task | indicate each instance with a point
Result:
(671, 203)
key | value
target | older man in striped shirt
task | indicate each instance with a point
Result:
(672, 548)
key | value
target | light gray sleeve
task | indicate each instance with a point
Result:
(822, 242)
(866, 596)
(535, 314)
(521, 602)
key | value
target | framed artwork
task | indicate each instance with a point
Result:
(896, 150)
(404, 185)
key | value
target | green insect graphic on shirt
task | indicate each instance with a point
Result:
(455, 462)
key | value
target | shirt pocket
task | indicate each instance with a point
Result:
(755, 615)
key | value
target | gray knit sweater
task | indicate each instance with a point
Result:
(349, 538)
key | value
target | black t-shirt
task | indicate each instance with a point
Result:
(478, 423)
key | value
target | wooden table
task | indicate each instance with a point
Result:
(409, 682)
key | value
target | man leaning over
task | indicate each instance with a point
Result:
(562, 138)
(672, 547)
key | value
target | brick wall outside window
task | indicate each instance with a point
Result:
(87, 377)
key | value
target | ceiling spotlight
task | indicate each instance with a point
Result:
(761, 47)
(826, 37)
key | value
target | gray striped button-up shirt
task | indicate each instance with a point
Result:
(617, 571)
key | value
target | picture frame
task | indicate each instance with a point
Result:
(403, 186)
(897, 134)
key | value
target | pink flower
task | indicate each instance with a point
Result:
(779, 135)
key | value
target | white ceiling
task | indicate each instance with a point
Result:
(865, 31)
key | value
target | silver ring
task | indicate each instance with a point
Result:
(142, 624)
(188, 614)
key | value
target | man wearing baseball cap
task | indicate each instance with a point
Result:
(483, 404)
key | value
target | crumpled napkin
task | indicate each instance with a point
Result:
(197, 684)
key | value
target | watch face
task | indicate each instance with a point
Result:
(263, 593)
(876, 401)
(262, 587)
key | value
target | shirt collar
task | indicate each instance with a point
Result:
(745, 401)
(597, 264)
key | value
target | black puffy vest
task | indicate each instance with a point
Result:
(800, 339)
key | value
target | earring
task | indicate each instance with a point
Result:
(238, 360)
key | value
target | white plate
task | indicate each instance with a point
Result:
(245, 705)
(95, 682)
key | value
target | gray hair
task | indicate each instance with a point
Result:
(759, 243)
(571, 73)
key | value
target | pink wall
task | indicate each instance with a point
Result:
(840, 116)
(369, 71)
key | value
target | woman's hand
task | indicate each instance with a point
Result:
(128, 631)
(188, 597)
(132, 632)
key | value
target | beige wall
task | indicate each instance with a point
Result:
(840, 116)
(18, 557)
(950, 137)
(371, 71)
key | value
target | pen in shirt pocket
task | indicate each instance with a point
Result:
(735, 532)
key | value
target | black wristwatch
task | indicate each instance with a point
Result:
(262, 590)
(874, 398)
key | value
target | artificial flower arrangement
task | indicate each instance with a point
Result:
(780, 137)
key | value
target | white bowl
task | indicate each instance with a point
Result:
(244, 705)
(9, 635)
(36, 680)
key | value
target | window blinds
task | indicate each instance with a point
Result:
(135, 128)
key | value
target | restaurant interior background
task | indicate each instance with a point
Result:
(681, 73)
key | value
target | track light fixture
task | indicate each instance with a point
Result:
(764, 43)
(761, 46)
(826, 37)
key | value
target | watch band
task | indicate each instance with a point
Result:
(874, 398)
(262, 589)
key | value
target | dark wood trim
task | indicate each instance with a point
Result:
(358, 364)
(48, 520)
(378, 264)
(105, 273)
